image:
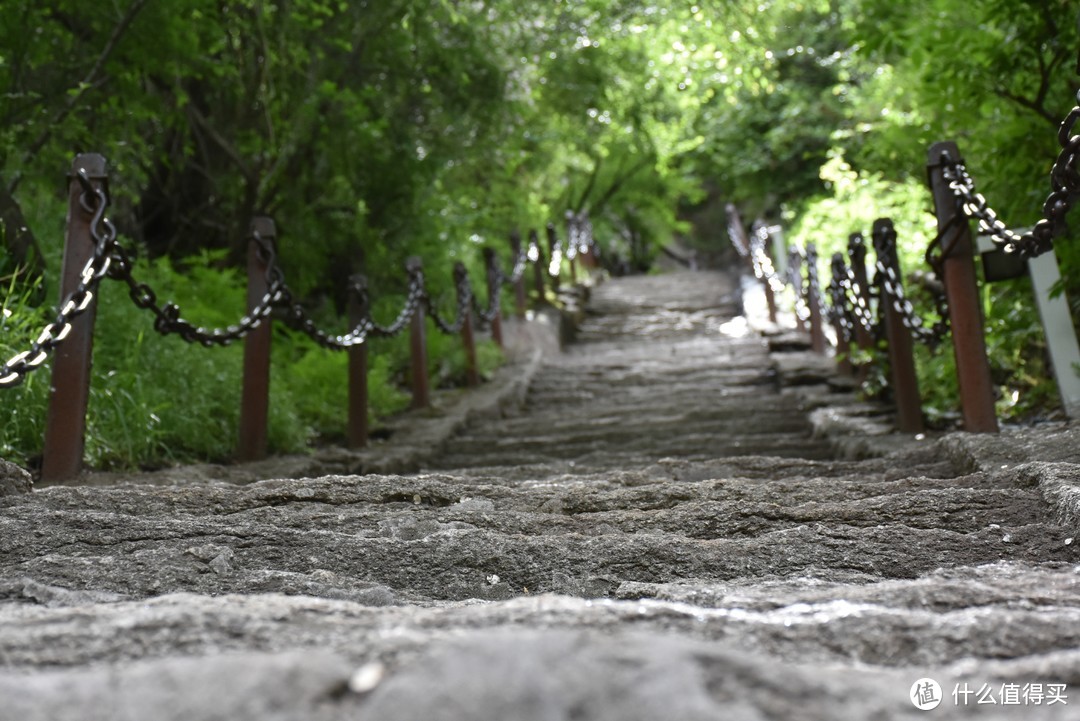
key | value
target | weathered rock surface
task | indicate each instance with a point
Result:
(657, 532)
(13, 479)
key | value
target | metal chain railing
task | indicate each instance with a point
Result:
(795, 282)
(167, 318)
(888, 275)
(111, 260)
(297, 317)
(95, 201)
(91, 233)
(759, 258)
(464, 293)
(841, 311)
(1065, 184)
(815, 299)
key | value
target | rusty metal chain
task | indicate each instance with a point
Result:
(413, 303)
(841, 311)
(762, 263)
(736, 234)
(579, 234)
(1065, 184)
(888, 275)
(860, 303)
(496, 279)
(518, 271)
(298, 318)
(168, 320)
(795, 282)
(464, 293)
(813, 281)
(95, 201)
(555, 259)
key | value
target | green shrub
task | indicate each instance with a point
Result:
(158, 400)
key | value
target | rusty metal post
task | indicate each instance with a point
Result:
(857, 258)
(901, 348)
(468, 338)
(765, 247)
(359, 309)
(539, 266)
(69, 394)
(572, 245)
(843, 344)
(555, 260)
(748, 248)
(421, 390)
(795, 274)
(864, 340)
(965, 311)
(255, 391)
(494, 296)
(519, 284)
(818, 342)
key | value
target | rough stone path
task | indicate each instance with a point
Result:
(656, 534)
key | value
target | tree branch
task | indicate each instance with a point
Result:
(226, 147)
(90, 81)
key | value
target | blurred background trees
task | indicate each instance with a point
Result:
(377, 129)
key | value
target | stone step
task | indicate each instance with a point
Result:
(655, 534)
(424, 538)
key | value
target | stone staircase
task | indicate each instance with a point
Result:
(655, 534)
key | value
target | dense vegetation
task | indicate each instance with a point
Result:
(376, 130)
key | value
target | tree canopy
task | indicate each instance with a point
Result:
(373, 129)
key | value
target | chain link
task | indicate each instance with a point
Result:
(496, 279)
(762, 263)
(795, 282)
(840, 310)
(110, 259)
(95, 201)
(168, 320)
(1065, 184)
(464, 293)
(814, 294)
(888, 275)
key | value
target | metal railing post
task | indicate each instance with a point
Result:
(857, 257)
(255, 391)
(901, 348)
(961, 289)
(764, 242)
(840, 312)
(520, 300)
(69, 394)
(554, 257)
(421, 392)
(494, 287)
(468, 338)
(359, 309)
(818, 342)
(572, 245)
(539, 266)
(795, 275)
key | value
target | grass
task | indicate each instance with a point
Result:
(157, 401)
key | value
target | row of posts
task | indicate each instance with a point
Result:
(69, 394)
(964, 308)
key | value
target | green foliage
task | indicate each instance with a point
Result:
(22, 425)
(373, 131)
